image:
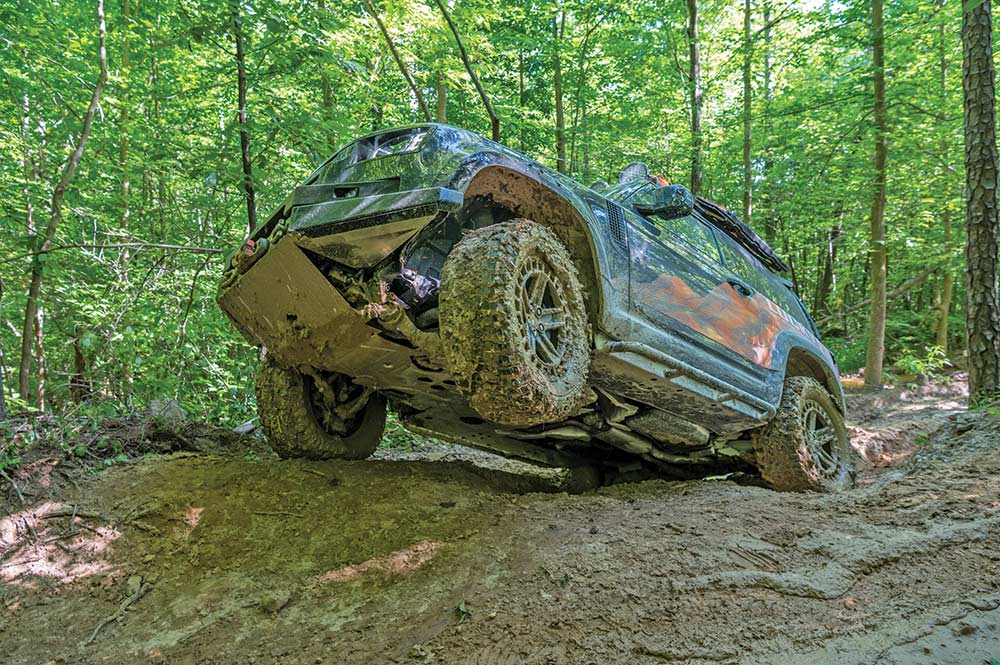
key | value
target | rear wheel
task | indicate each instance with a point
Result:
(514, 325)
(323, 416)
(805, 446)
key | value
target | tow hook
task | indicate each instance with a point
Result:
(249, 253)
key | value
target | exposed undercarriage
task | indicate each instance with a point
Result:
(395, 347)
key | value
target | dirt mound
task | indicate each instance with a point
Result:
(207, 559)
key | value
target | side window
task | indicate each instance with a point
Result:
(688, 236)
(751, 271)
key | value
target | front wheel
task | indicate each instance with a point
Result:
(320, 416)
(805, 446)
(514, 324)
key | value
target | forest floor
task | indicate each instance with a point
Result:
(445, 556)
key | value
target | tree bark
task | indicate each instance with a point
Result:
(125, 185)
(241, 80)
(747, 129)
(694, 79)
(941, 332)
(982, 310)
(945, 297)
(875, 356)
(3, 367)
(825, 285)
(579, 102)
(403, 69)
(55, 209)
(558, 29)
(768, 98)
(494, 120)
(441, 114)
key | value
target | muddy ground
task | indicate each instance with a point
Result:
(443, 556)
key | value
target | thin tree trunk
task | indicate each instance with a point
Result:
(55, 211)
(875, 355)
(241, 71)
(768, 98)
(41, 367)
(558, 30)
(941, 334)
(579, 103)
(982, 310)
(694, 77)
(125, 185)
(327, 88)
(403, 69)
(3, 367)
(441, 114)
(521, 103)
(494, 120)
(944, 304)
(747, 130)
(826, 283)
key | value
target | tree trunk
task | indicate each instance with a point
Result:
(945, 295)
(3, 367)
(579, 103)
(441, 112)
(55, 210)
(875, 355)
(982, 311)
(768, 98)
(494, 120)
(557, 33)
(747, 130)
(41, 367)
(241, 71)
(941, 334)
(521, 101)
(125, 185)
(826, 283)
(403, 69)
(694, 76)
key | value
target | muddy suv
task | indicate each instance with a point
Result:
(493, 302)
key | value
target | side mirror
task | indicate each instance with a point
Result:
(669, 202)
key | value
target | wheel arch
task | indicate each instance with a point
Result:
(509, 187)
(801, 361)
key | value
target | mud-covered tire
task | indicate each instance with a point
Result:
(487, 308)
(291, 427)
(805, 446)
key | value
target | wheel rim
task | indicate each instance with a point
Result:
(336, 402)
(823, 441)
(542, 313)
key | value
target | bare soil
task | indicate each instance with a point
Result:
(446, 556)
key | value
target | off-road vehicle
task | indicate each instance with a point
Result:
(493, 302)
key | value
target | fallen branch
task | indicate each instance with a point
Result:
(77, 513)
(10, 480)
(117, 245)
(120, 613)
(898, 291)
(277, 513)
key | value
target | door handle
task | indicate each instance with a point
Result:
(741, 287)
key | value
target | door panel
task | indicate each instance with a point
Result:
(680, 283)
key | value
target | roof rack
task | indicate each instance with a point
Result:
(739, 231)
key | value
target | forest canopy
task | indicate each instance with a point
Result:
(188, 119)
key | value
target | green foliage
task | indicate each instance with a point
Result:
(397, 436)
(163, 165)
(849, 352)
(932, 362)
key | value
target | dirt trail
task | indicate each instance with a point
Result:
(397, 560)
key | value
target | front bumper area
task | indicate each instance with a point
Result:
(360, 231)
